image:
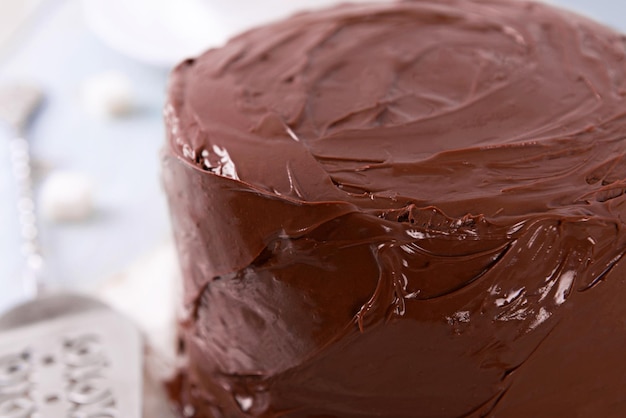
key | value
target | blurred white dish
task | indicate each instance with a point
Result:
(164, 32)
(158, 32)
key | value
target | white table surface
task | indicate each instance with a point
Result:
(57, 50)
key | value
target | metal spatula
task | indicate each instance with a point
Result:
(61, 355)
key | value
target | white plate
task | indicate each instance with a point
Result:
(157, 32)
(164, 32)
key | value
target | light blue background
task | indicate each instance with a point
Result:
(120, 156)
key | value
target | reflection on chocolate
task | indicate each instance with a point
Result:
(403, 210)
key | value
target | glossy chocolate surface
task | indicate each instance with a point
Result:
(403, 210)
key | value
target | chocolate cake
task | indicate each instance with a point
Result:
(410, 209)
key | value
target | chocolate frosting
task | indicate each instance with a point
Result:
(412, 209)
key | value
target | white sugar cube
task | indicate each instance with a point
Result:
(66, 196)
(108, 95)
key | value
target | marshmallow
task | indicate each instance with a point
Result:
(66, 197)
(108, 95)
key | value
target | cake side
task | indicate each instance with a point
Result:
(403, 210)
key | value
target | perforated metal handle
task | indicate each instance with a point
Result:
(30, 249)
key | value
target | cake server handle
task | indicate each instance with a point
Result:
(33, 274)
(61, 355)
(18, 105)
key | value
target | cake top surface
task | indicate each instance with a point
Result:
(479, 107)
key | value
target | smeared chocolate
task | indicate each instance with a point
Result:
(404, 210)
